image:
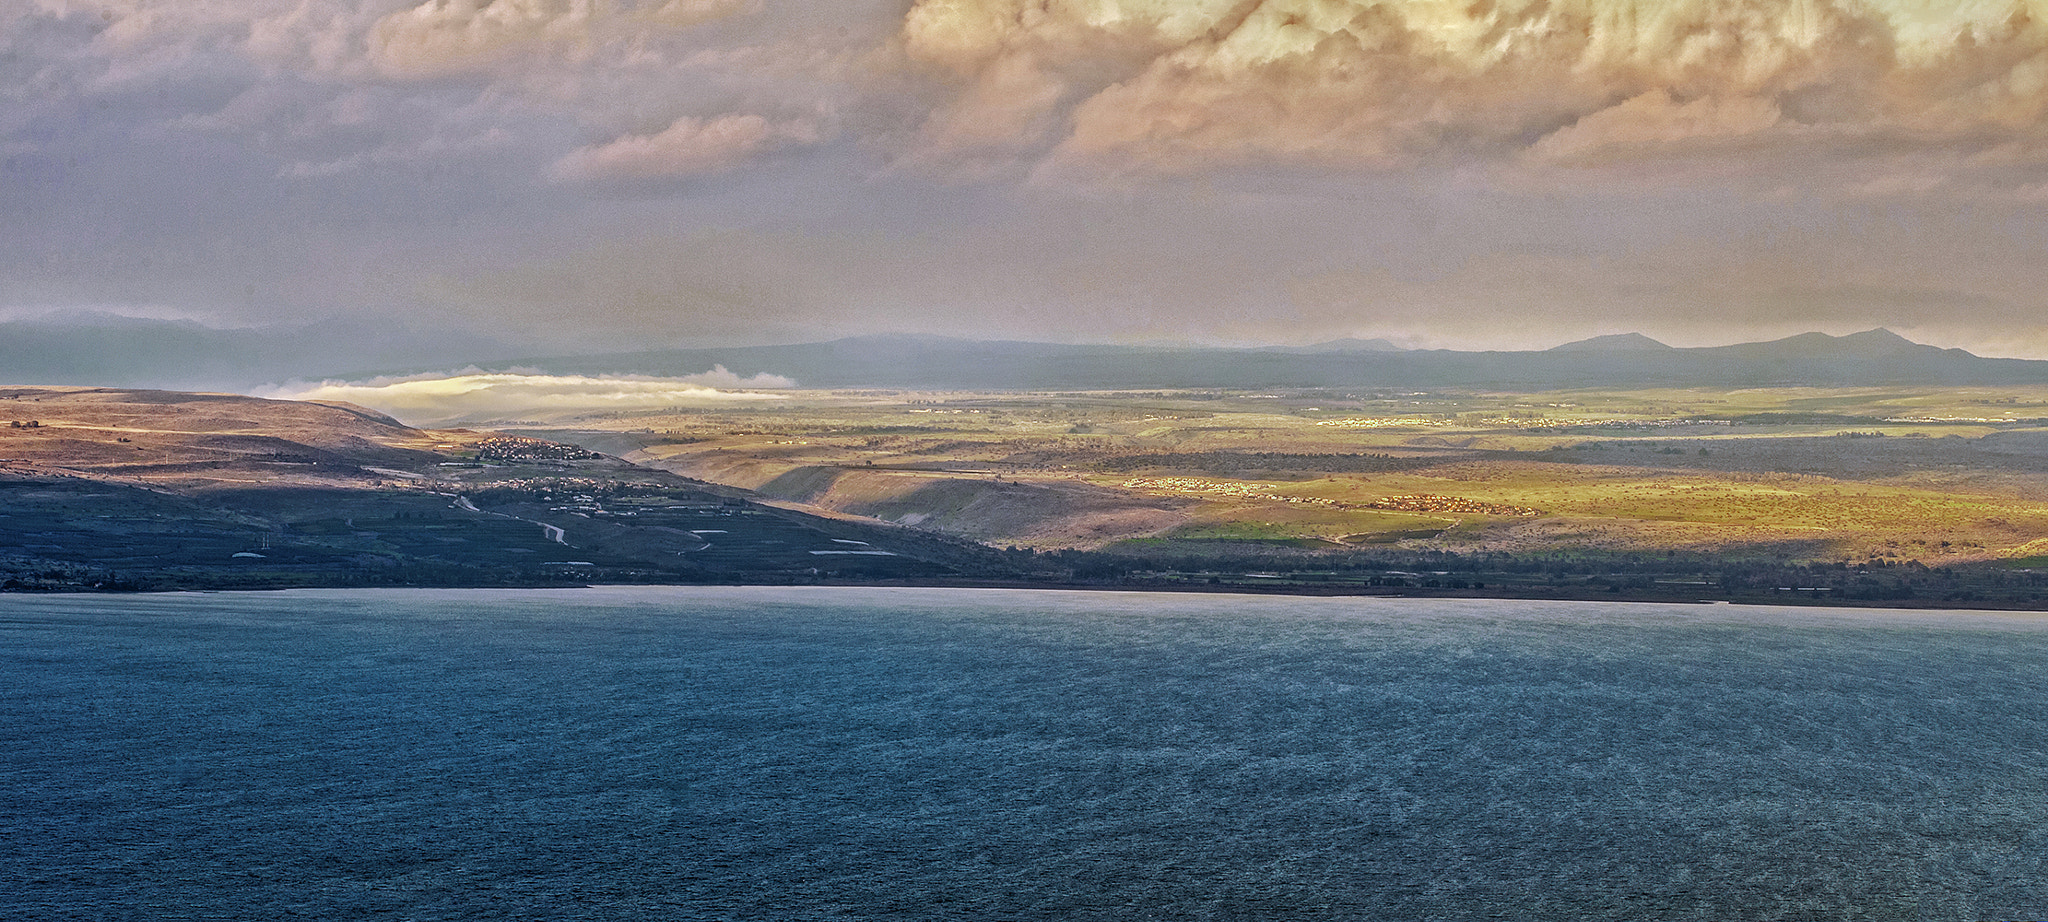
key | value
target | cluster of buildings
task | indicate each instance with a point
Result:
(1436, 502)
(515, 448)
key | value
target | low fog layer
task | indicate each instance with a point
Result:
(477, 397)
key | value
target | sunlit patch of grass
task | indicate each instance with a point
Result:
(1394, 536)
(1268, 522)
(1639, 481)
(1233, 531)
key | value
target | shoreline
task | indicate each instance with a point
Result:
(1234, 588)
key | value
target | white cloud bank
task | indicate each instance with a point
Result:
(1072, 89)
(1135, 86)
(474, 396)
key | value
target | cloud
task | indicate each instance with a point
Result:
(309, 37)
(1075, 91)
(441, 38)
(1018, 67)
(1134, 168)
(690, 146)
(1654, 121)
(1137, 88)
(474, 395)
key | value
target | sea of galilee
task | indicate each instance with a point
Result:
(862, 753)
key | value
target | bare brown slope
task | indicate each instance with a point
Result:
(164, 436)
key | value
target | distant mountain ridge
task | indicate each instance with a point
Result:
(1616, 342)
(101, 349)
(1870, 358)
(1347, 344)
(91, 349)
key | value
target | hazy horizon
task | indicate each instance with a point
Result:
(78, 319)
(432, 375)
(470, 179)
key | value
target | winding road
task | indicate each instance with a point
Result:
(554, 532)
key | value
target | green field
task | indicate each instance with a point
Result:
(1894, 474)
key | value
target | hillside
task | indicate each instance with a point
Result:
(118, 488)
(169, 437)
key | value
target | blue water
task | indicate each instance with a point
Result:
(751, 754)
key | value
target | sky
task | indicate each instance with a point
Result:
(596, 175)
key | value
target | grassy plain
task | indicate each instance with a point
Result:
(1888, 474)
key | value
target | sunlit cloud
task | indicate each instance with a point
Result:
(1188, 88)
(688, 147)
(473, 396)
